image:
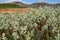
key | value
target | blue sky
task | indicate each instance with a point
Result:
(31, 1)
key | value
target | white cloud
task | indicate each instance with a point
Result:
(13, 0)
(6, 1)
(24, 1)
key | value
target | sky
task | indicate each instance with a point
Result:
(31, 1)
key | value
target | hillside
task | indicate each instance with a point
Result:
(17, 4)
(36, 5)
(9, 6)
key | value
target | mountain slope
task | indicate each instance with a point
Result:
(13, 5)
(36, 5)
(18, 4)
(9, 6)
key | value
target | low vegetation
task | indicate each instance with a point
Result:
(40, 24)
(9, 6)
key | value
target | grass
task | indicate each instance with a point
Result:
(9, 6)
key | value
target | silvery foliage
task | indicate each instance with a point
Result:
(25, 25)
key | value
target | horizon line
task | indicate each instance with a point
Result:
(30, 3)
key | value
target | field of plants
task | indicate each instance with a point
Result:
(38, 24)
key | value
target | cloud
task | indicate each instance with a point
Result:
(24, 1)
(6, 1)
(13, 0)
(30, 1)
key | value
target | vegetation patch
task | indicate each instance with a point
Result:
(9, 6)
(40, 24)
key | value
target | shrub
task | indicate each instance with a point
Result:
(39, 24)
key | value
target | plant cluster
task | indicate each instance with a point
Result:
(38, 24)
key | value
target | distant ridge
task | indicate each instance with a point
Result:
(36, 5)
(17, 4)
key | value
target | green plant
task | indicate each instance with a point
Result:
(38, 24)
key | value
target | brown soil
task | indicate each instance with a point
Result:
(11, 10)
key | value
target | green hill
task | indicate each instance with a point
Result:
(10, 6)
(17, 4)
